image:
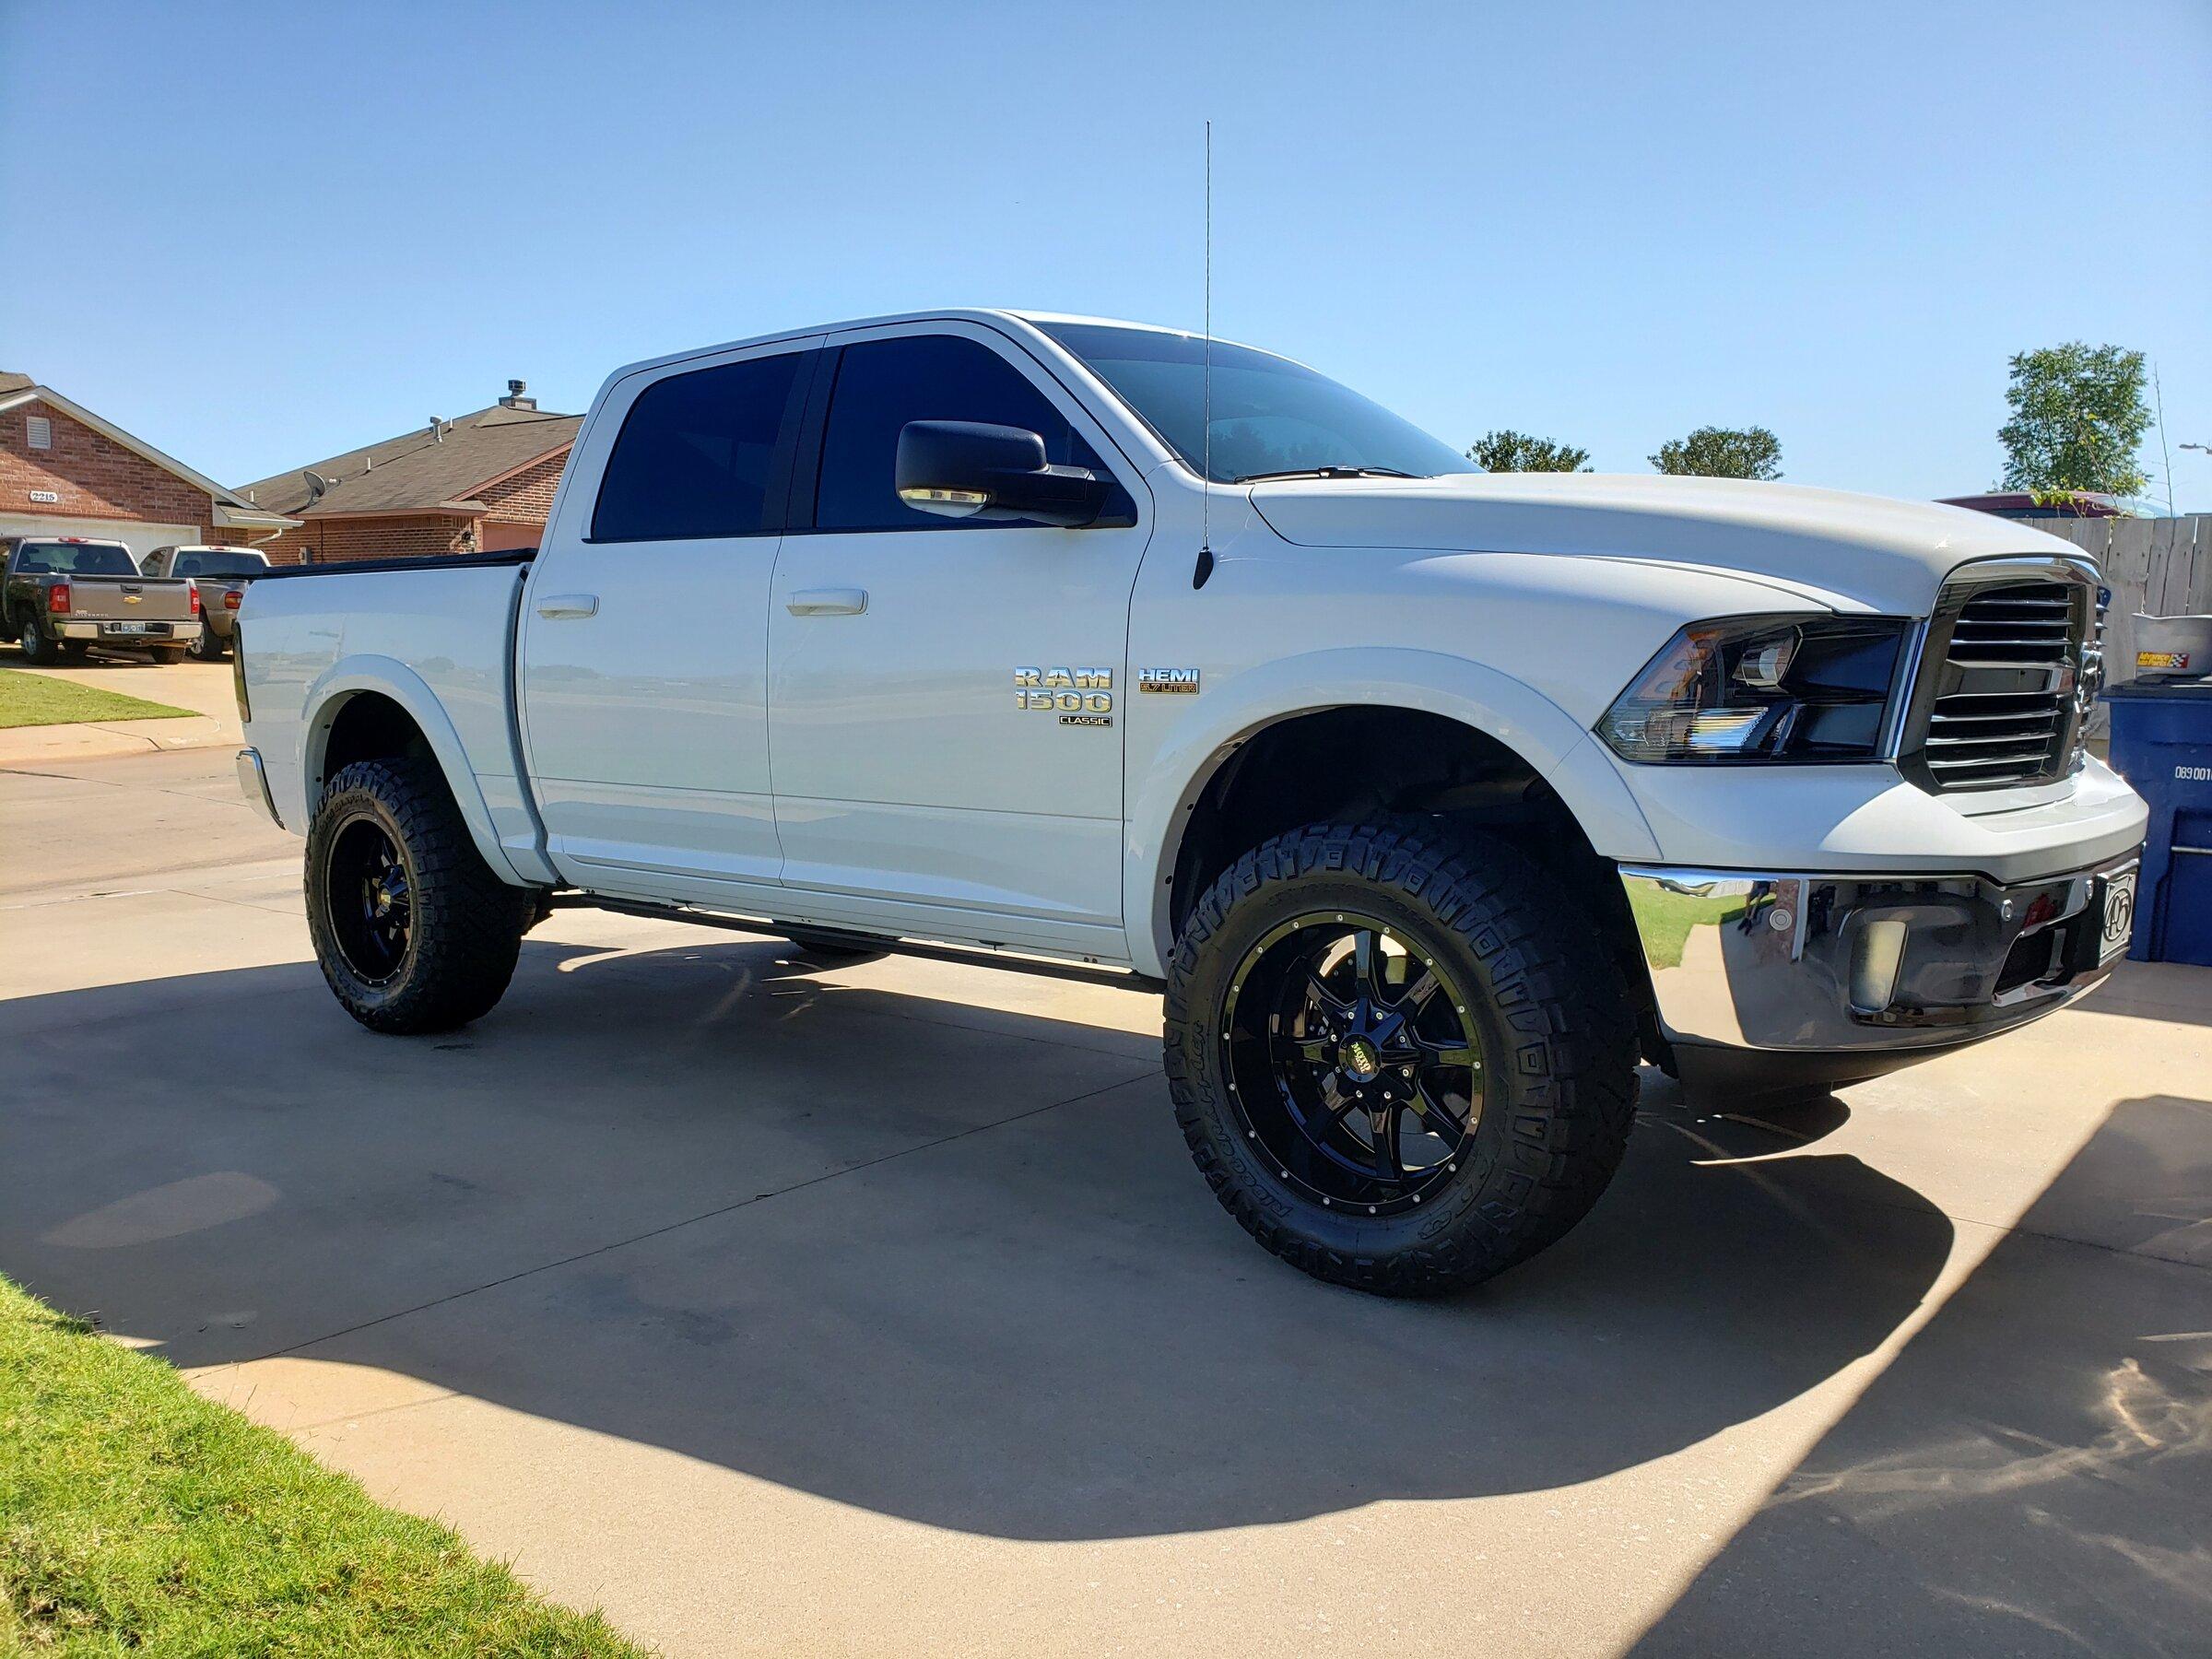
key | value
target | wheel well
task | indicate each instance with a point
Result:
(1339, 765)
(369, 726)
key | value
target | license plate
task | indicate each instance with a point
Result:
(2119, 915)
(131, 628)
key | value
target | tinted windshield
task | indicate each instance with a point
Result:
(75, 559)
(222, 564)
(1269, 415)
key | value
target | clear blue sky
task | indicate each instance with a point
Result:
(258, 234)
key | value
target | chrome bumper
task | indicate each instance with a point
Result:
(180, 633)
(1861, 973)
(254, 782)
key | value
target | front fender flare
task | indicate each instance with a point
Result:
(392, 678)
(1166, 786)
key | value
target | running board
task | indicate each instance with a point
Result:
(977, 956)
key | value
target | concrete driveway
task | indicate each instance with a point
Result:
(777, 1310)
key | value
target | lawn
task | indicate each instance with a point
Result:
(136, 1516)
(1665, 920)
(34, 700)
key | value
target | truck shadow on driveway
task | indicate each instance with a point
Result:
(927, 1255)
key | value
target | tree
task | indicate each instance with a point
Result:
(2079, 415)
(1517, 452)
(1722, 452)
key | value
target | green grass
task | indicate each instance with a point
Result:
(34, 700)
(1666, 919)
(137, 1517)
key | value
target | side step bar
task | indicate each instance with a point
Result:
(977, 956)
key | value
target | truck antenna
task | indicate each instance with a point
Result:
(1206, 397)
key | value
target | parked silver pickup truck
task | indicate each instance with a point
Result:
(220, 574)
(63, 594)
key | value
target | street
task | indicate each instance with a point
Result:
(778, 1309)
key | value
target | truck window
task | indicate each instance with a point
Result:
(882, 385)
(74, 559)
(697, 454)
(220, 564)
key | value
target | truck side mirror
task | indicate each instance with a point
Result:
(967, 469)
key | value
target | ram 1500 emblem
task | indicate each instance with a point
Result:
(1081, 697)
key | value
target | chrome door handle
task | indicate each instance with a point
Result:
(828, 602)
(569, 605)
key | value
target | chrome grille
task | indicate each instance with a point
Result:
(2005, 702)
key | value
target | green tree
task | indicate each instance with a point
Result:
(1722, 452)
(2079, 416)
(1517, 452)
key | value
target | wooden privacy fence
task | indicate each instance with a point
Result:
(2161, 566)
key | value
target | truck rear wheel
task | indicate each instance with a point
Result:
(412, 930)
(35, 643)
(1400, 1059)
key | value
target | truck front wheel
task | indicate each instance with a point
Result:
(1400, 1059)
(412, 930)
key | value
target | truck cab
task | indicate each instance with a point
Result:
(1432, 799)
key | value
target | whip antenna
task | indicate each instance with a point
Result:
(1206, 394)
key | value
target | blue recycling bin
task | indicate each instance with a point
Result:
(2162, 746)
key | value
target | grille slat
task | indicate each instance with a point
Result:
(1982, 732)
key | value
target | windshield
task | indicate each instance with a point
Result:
(222, 564)
(1270, 416)
(75, 559)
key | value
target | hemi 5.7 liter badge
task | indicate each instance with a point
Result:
(1081, 697)
(1175, 682)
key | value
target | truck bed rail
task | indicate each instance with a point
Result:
(436, 561)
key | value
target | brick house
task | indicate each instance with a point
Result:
(65, 471)
(476, 483)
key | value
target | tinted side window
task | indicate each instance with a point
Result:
(698, 454)
(882, 385)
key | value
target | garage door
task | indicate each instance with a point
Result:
(138, 535)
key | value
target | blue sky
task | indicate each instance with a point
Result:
(281, 230)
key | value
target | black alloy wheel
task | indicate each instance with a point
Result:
(369, 902)
(1352, 1061)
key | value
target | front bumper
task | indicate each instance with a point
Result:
(1808, 979)
(171, 633)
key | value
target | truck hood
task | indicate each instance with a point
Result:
(1855, 552)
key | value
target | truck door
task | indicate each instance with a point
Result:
(643, 656)
(927, 775)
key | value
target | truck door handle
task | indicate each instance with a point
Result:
(828, 602)
(569, 605)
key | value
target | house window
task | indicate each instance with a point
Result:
(38, 431)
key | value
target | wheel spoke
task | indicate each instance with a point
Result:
(1457, 1052)
(1415, 997)
(1436, 1117)
(1313, 1051)
(1327, 997)
(1388, 1165)
(1364, 949)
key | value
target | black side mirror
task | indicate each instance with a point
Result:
(965, 469)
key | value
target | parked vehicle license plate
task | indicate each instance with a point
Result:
(132, 627)
(2119, 915)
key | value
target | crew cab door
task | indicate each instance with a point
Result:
(643, 649)
(919, 783)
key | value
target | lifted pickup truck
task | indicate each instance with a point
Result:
(65, 593)
(1431, 798)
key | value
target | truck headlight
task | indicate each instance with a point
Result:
(1806, 688)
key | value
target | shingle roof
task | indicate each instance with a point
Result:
(417, 471)
(15, 382)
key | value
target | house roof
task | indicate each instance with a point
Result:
(418, 471)
(227, 507)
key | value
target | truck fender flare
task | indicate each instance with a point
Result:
(394, 679)
(1167, 784)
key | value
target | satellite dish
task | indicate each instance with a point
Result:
(317, 485)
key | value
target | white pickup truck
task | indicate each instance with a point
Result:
(1432, 798)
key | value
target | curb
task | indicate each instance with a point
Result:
(84, 740)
